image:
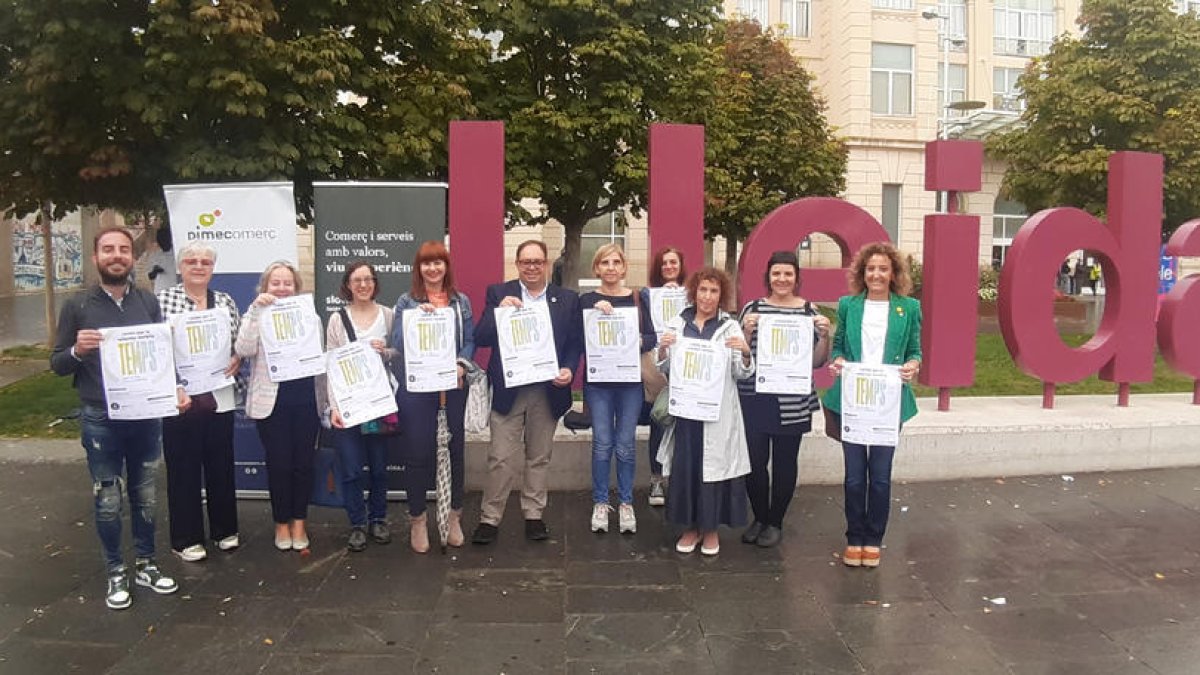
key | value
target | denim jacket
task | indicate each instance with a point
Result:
(465, 329)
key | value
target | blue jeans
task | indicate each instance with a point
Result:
(354, 451)
(112, 446)
(614, 409)
(868, 490)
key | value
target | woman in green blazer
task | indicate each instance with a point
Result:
(877, 324)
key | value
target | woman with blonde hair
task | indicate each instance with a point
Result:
(615, 406)
(285, 414)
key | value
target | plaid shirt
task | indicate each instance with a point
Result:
(175, 301)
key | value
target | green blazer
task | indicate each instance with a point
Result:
(903, 343)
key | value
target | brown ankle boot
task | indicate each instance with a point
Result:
(455, 536)
(418, 533)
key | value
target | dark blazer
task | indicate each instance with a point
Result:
(567, 321)
(902, 343)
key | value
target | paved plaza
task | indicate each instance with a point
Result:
(1095, 573)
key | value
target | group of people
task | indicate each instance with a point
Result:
(705, 472)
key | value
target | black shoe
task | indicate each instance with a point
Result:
(750, 534)
(770, 536)
(357, 541)
(535, 530)
(485, 534)
(379, 532)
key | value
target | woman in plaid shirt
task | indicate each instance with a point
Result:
(198, 444)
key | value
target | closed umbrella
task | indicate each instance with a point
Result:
(443, 472)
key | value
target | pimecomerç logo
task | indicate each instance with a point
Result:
(211, 226)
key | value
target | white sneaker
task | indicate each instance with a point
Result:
(193, 553)
(229, 543)
(600, 517)
(627, 518)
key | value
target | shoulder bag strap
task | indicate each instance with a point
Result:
(347, 324)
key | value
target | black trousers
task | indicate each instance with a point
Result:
(198, 449)
(771, 493)
(289, 435)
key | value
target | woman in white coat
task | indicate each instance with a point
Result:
(707, 461)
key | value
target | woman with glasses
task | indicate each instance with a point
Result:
(372, 322)
(285, 414)
(432, 288)
(198, 444)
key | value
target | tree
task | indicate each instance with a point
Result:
(306, 90)
(578, 83)
(102, 102)
(1128, 83)
(768, 142)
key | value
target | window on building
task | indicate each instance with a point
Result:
(958, 88)
(891, 210)
(1023, 27)
(608, 228)
(1007, 217)
(1006, 95)
(891, 79)
(1187, 6)
(892, 4)
(755, 10)
(795, 16)
(957, 11)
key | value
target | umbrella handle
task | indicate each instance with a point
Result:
(442, 399)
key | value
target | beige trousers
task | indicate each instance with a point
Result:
(527, 431)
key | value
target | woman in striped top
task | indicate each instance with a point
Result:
(776, 423)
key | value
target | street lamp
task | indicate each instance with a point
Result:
(944, 28)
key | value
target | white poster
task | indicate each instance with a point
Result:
(248, 224)
(358, 383)
(613, 343)
(138, 371)
(870, 404)
(784, 354)
(291, 338)
(526, 340)
(202, 352)
(698, 370)
(666, 304)
(430, 350)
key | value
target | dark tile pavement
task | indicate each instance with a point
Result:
(1099, 574)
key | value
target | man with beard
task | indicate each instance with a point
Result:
(113, 446)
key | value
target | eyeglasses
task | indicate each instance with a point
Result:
(197, 262)
(531, 263)
(363, 281)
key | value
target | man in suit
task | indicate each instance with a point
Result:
(524, 418)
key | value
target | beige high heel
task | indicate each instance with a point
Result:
(418, 533)
(455, 536)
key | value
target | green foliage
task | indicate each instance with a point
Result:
(1128, 83)
(916, 272)
(997, 375)
(768, 142)
(28, 407)
(578, 83)
(104, 101)
(68, 72)
(989, 283)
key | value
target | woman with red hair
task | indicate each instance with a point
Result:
(432, 288)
